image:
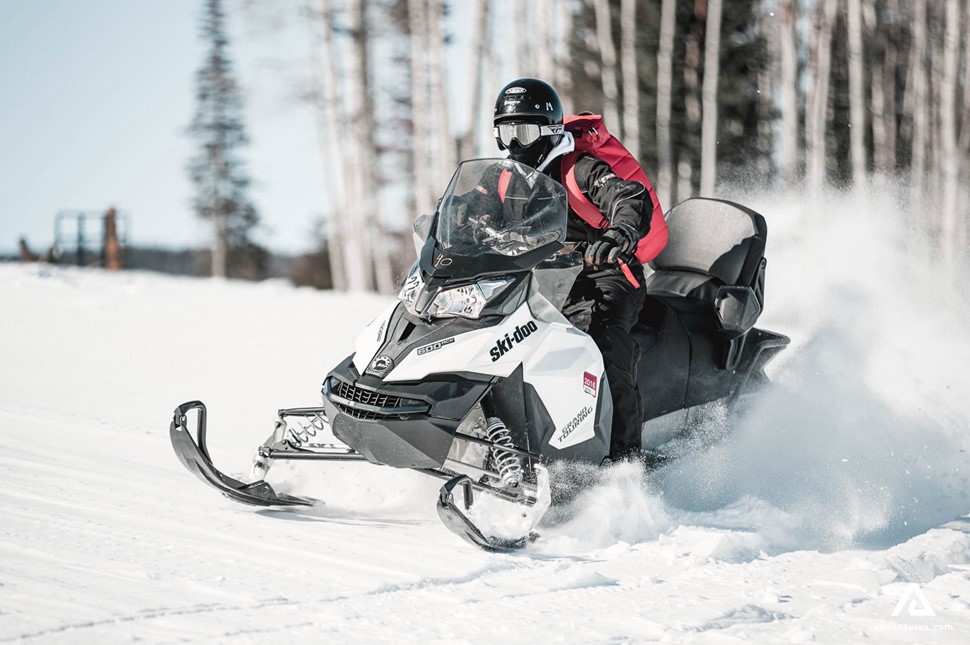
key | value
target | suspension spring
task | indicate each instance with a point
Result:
(296, 438)
(509, 464)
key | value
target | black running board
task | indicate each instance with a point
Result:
(194, 455)
(459, 524)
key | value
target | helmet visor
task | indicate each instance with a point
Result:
(525, 133)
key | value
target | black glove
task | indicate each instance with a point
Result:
(616, 241)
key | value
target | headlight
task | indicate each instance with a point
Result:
(467, 301)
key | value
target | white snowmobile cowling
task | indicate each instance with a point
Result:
(562, 363)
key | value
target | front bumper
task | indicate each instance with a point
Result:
(400, 425)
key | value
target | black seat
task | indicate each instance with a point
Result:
(712, 270)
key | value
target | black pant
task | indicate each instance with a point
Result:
(616, 305)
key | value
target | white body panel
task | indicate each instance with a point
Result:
(476, 351)
(562, 363)
(566, 371)
(371, 339)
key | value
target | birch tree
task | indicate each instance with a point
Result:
(816, 112)
(544, 56)
(948, 128)
(330, 128)
(916, 103)
(631, 89)
(477, 76)
(712, 51)
(883, 89)
(857, 119)
(563, 55)
(788, 54)
(420, 106)
(604, 38)
(356, 250)
(692, 100)
(524, 61)
(962, 232)
(665, 75)
(444, 146)
(766, 102)
(375, 237)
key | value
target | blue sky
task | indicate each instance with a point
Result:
(95, 98)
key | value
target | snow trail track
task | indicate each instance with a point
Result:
(843, 488)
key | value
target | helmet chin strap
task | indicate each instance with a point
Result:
(566, 144)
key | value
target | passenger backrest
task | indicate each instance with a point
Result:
(712, 271)
(714, 237)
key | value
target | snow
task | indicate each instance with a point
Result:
(843, 493)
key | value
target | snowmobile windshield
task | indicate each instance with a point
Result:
(499, 206)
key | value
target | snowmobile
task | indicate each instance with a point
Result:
(474, 375)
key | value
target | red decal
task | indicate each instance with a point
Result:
(589, 384)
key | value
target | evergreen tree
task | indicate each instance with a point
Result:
(217, 170)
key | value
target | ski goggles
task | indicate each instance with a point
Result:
(525, 133)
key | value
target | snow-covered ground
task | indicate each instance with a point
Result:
(835, 513)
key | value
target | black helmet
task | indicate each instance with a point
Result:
(528, 101)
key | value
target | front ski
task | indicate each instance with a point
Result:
(194, 455)
(459, 523)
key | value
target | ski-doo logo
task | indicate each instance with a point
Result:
(575, 423)
(505, 345)
(381, 365)
(433, 346)
(589, 384)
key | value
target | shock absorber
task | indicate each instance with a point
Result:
(508, 463)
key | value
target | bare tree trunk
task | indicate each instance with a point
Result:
(788, 45)
(420, 107)
(889, 87)
(330, 130)
(935, 35)
(917, 90)
(375, 237)
(543, 34)
(765, 110)
(524, 62)
(357, 257)
(962, 233)
(936, 28)
(563, 75)
(604, 37)
(883, 93)
(631, 89)
(220, 242)
(665, 74)
(965, 116)
(490, 71)
(445, 146)
(712, 57)
(857, 107)
(692, 99)
(476, 77)
(816, 116)
(948, 128)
